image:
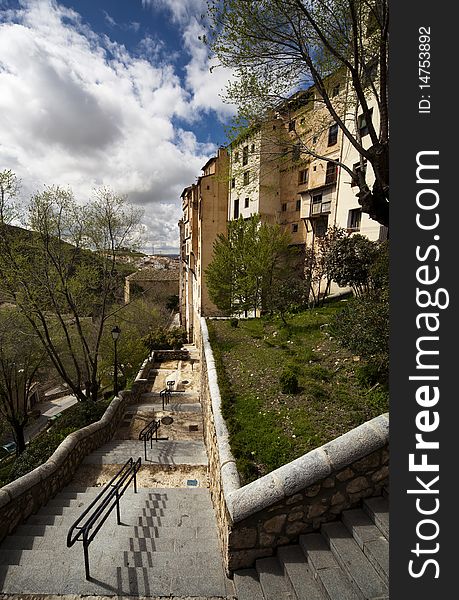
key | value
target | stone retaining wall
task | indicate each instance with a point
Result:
(294, 499)
(24, 496)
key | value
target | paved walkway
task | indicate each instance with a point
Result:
(167, 544)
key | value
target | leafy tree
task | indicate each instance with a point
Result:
(277, 47)
(21, 360)
(350, 261)
(246, 264)
(135, 320)
(317, 271)
(61, 273)
(370, 309)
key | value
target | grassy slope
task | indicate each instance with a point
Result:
(269, 428)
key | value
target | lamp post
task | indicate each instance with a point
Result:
(115, 335)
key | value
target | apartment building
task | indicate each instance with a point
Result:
(285, 169)
(205, 214)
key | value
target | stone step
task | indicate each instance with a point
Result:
(354, 562)
(370, 540)
(247, 585)
(33, 530)
(378, 510)
(325, 570)
(12, 557)
(297, 574)
(21, 542)
(272, 579)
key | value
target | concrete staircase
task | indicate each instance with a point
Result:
(347, 560)
(167, 545)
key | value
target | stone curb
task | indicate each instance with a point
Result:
(17, 488)
(229, 473)
(308, 469)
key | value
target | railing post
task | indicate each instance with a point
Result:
(135, 478)
(118, 516)
(145, 446)
(86, 555)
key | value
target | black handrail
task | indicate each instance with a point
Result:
(115, 488)
(165, 396)
(148, 432)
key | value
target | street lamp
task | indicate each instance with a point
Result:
(115, 335)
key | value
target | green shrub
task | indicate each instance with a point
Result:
(234, 322)
(363, 327)
(165, 339)
(289, 382)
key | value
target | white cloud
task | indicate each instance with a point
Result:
(205, 80)
(77, 109)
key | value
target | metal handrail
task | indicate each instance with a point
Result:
(115, 488)
(148, 432)
(165, 396)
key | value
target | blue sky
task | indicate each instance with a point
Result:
(116, 93)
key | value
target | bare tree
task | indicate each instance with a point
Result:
(61, 273)
(21, 359)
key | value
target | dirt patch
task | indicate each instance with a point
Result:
(149, 476)
(183, 427)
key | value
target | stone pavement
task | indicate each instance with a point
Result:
(167, 544)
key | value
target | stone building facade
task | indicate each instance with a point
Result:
(204, 209)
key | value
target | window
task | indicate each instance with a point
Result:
(363, 125)
(314, 139)
(333, 134)
(236, 157)
(332, 172)
(236, 209)
(320, 226)
(296, 152)
(303, 177)
(294, 227)
(319, 205)
(284, 207)
(357, 167)
(252, 148)
(246, 177)
(298, 204)
(335, 90)
(292, 125)
(246, 203)
(354, 218)
(233, 183)
(245, 155)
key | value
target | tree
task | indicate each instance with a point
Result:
(245, 265)
(350, 262)
(21, 359)
(277, 47)
(135, 320)
(61, 273)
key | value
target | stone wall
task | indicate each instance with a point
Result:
(294, 499)
(24, 496)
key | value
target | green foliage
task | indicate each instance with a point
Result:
(234, 322)
(245, 265)
(172, 303)
(165, 339)
(363, 325)
(350, 261)
(40, 449)
(289, 382)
